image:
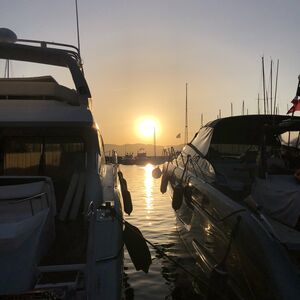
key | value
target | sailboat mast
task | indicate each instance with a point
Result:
(243, 108)
(186, 133)
(264, 86)
(271, 79)
(275, 96)
(154, 141)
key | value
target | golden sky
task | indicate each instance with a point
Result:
(139, 54)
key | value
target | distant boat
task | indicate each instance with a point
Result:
(236, 194)
(127, 159)
(141, 157)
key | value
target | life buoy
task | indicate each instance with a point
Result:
(297, 175)
(164, 182)
(177, 196)
(156, 172)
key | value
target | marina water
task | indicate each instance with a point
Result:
(154, 216)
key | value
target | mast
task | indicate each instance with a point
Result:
(271, 79)
(296, 98)
(258, 112)
(154, 141)
(264, 87)
(276, 84)
(243, 108)
(267, 101)
(186, 133)
(231, 109)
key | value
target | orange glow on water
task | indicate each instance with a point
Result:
(148, 183)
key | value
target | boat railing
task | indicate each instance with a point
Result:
(29, 199)
(62, 55)
(71, 49)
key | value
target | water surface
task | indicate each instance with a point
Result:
(154, 216)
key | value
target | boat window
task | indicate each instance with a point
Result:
(42, 156)
(202, 139)
(230, 150)
(290, 138)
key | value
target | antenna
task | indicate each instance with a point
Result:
(78, 37)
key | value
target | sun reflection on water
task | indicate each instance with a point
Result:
(148, 184)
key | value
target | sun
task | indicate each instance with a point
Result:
(147, 127)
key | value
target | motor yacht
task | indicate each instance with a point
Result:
(235, 189)
(59, 237)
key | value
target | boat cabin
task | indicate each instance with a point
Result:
(253, 155)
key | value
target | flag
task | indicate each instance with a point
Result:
(178, 136)
(295, 107)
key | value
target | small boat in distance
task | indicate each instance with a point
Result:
(141, 157)
(60, 209)
(235, 190)
(127, 159)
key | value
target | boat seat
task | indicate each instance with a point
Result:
(287, 235)
(24, 200)
(278, 196)
(232, 174)
(27, 230)
(73, 199)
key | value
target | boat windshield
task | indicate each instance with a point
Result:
(290, 139)
(230, 150)
(21, 69)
